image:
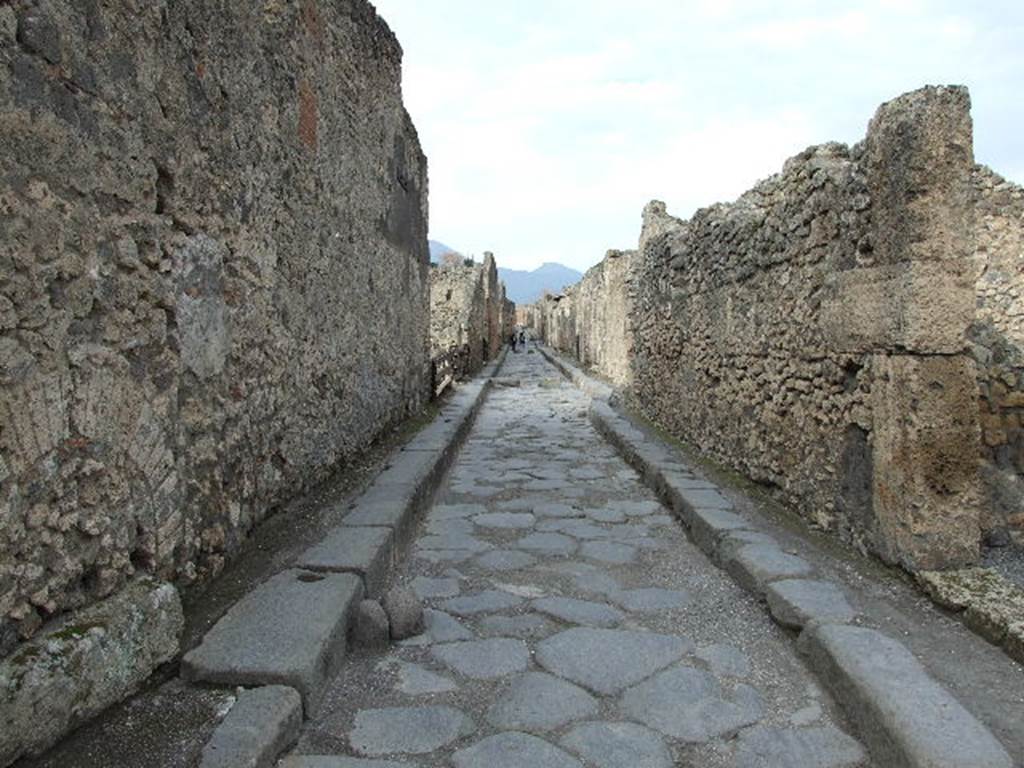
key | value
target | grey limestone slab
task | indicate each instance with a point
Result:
(408, 730)
(366, 551)
(708, 525)
(439, 627)
(290, 630)
(724, 660)
(536, 701)
(488, 601)
(505, 520)
(577, 611)
(513, 750)
(608, 660)
(547, 543)
(261, 725)
(485, 659)
(611, 552)
(797, 602)
(754, 566)
(340, 761)
(651, 599)
(506, 560)
(901, 712)
(689, 704)
(618, 745)
(821, 747)
(526, 626)
(427, 588)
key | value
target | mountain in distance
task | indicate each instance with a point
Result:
(438, 249)
(525, 287)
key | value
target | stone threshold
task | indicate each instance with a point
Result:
(904, 716)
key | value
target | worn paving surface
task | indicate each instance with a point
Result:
(560, 633)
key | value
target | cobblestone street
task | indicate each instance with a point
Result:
(560, 632)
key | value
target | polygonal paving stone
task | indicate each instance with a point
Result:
(416, 680)
(725, 660)
(826, 747)
(584, 529)
(454, 541)
(407, 730)
(527, 626)
(579, 611)
(506, 560)
(488, 601)
(609, 552)
(427, 588)
(636, 508)
(590, 578)
(540, 702)
(505, 520)
(606, 515)
(651, 599)
(513, 750)
(689, 704)
(448, 527)
(439, 627)
(608, 660)
(339, 761)
(618, 745)
(485, 659)
(445, 555)
(547, 543)
(451, 511)
(556, 510)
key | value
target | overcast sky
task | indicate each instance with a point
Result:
(548, 124)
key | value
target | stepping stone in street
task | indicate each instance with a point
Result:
(651, 599)
(689, 704)
(527, 626)
(408, 730)
(485, 659)
(513, 750)
(609, 552)
(459, 541)
(427, 588)
(618, 745)
(579, 611)
(608, 660)
(416, 680)
(505, 520)
(724, 660)
(506, 560)
(547, 543)
(488, 601)
(540, 702)
(439, 627)
(825, 747)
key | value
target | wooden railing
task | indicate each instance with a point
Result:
(446, 367)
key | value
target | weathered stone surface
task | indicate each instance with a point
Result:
(371, 627)
(338, 761)
(72, 672)
(618, 745)
(488, 601)
(526, 626)
(261, 725)
(407, 730)
(513, 750)
(626, 656)
(823, 334)
(427, 588)
(754, 566)
(539, 702)
(352, 549)
(547, 544)
(505, 560)
(707, 526)
(485, 659)
(439, 627)
(579, 611)
(827, 747)
(505, 520)
(405, 613)
(650, 599)
(690, 705)
(416, 681)
(609, 552)
(904, 716)
(724, 660)
(797, 602)
(290, 630)
(187, 362)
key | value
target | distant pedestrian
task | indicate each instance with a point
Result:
(514, 337)
(522, 338)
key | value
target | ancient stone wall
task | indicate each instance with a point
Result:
(813, 333)
(213, 278)
(468, 312)
(997, 338)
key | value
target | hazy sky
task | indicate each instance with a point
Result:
(548, 124)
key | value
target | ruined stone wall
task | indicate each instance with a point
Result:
(592, 320)
(997, 338)
(813, 333)
(213, 278)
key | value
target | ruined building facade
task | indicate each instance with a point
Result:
(847, 333)
(213, 281)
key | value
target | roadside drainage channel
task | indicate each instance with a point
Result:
(905, 717)
(285, 640)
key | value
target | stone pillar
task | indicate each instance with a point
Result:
(920, 300)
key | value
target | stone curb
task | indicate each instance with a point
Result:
(870, 677)
(263, 723)
(259, 642)
(590, 385)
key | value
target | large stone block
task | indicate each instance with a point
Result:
(95, 658)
